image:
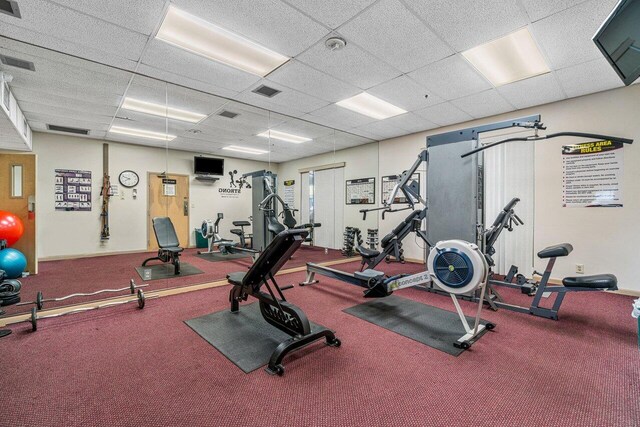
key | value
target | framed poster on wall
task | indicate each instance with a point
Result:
(72, 190)
(360, 191)
(592, 174)
(390, 181)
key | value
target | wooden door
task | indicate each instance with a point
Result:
(169, 196)
(18, 196)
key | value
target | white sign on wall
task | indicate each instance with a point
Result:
(592, 174)
(289, 193)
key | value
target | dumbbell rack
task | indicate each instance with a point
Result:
(372, 238)
(351, 237)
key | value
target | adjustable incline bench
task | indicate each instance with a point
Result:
(168, 243)
(273, 306)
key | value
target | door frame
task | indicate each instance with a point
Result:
(157, 174)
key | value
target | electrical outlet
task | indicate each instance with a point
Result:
(580, 268)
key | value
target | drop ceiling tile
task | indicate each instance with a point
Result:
(444, 114)
(46, 102)
(410, 123)
(271, 23)
(205, 86)
(55, 21)
(405, 93)
(70, 113)
(534, 91)
(467, 23)
(338, 117)
(589, 77)
(141, 16)
(99, 101)
(64, 121)
(299, 76)
(381, 130)
(331, 13)
(350, 64)
(538, 9)
(177, 97)
(392, 33)
(172, 59)
(483, 104)
(565, 37)
(450, 78)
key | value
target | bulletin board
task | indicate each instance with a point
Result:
(360, 191)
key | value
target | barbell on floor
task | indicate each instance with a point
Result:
(39, 302)
(140, 298)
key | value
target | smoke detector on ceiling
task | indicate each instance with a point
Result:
(335, 43)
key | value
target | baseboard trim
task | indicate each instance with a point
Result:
(94, 255)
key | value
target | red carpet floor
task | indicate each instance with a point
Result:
(130, 367)
(65, 277)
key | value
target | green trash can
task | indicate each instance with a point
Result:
(201, 242)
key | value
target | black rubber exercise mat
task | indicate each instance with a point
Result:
(426, 324)
(244, 338)
(166, 271)
(215, 257)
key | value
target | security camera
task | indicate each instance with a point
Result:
(6, 77)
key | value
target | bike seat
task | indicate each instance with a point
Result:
(563, 249)
(368, 275)
(367, 253)
(596, 281)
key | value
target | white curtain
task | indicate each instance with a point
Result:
(509, 173)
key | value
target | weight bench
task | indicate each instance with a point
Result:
(168, 243)
(274, 307)
(597, 282)
(392, 243)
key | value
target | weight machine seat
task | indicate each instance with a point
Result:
(166, 234)
(241, 223)
(368, 275)
(274, 226)
(367, 253)
(596, 281)
(275, 255)
(563, 249)
(396, 231)
(236, 231)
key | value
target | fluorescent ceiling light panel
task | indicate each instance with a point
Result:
(283, 136)
(161, 110)
(508, 59)
(371, 106)
(246, 150)
(140, 133)
(196, 35)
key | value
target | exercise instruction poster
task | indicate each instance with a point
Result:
(390, 181)
(361, 191)
(73, 190)
(592, 174)
(289, 192)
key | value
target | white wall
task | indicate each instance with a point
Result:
(62, 234)
(604, 239)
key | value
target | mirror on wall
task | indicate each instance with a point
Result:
(219, 176)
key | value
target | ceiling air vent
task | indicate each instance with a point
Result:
(18, 63)
(267, 91)
(68, 130)
(10, 8)
(227, 114)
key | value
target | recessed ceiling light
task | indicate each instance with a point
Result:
(246, 150)
(141, 133)
(508, 59)
(162, 110)
(196, 35)
(283, 136)
(371, 106)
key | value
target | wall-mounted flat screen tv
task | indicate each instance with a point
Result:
(619, 40)
(208, 166)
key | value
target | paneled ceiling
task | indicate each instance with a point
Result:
(397, 50)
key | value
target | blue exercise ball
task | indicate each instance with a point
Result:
(13, 262)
